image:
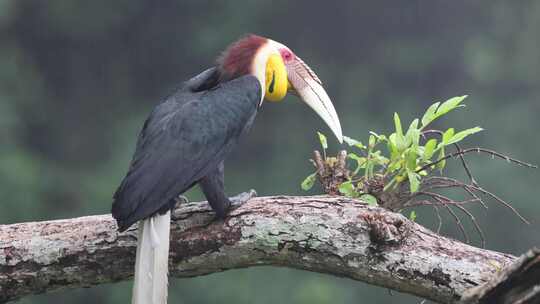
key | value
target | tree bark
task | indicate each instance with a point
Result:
(328, 234)
(517, 284)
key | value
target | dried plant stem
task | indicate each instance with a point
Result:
(441, 182)
(478, 150)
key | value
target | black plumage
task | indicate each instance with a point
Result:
(184, 141)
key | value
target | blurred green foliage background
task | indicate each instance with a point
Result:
(77, 79)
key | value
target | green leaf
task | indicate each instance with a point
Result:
(413, 125)
(414, 181)
(397, 123)
(450, 105)
(461, 135)
(395, 166)
(379, 159)
(429, 116)
(414, 137)
(353, 142)
(399, 138)
(413, 133)
(401, 145)
(308, 182)
(369, 199)
(392, 146)
(322, 139)
(411, 159)
(447, 136)
(435, 111)
(440, 165)
(392, 139)
(347, 189)
(372, 140)
(360, 162)
(368, 173)
(355, 157)
(429, 148)
(412, 216)
(380, 137)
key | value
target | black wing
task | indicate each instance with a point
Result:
(184, 138)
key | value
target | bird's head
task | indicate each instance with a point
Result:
(279, 71)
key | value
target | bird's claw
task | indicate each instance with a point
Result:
(180, 200)
(243, 197)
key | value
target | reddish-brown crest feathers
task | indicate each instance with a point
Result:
(237, 58)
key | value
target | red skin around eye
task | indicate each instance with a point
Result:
(286, 55)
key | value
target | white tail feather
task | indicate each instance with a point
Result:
(151, 265)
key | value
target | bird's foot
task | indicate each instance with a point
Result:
(180, 200)
(232, 203)
(243, 197)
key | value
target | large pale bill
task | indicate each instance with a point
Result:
(309, 87)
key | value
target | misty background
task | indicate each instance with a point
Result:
(78, 78)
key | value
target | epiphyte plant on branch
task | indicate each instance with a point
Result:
(406, 168)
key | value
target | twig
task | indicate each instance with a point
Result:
(449, 202)
(458, 149)
(465, 167)
(457, 219)
(443, 201)
(438, 217)
(475, 223)
(454, 183)
(478, 150)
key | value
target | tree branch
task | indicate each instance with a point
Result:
(334, 235)
(517, 284)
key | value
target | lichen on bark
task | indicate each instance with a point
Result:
(329, 234)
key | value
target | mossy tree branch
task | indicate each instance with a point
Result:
(328, 234)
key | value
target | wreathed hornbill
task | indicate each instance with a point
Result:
(187, 137)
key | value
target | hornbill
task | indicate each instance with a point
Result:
(187, 137)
